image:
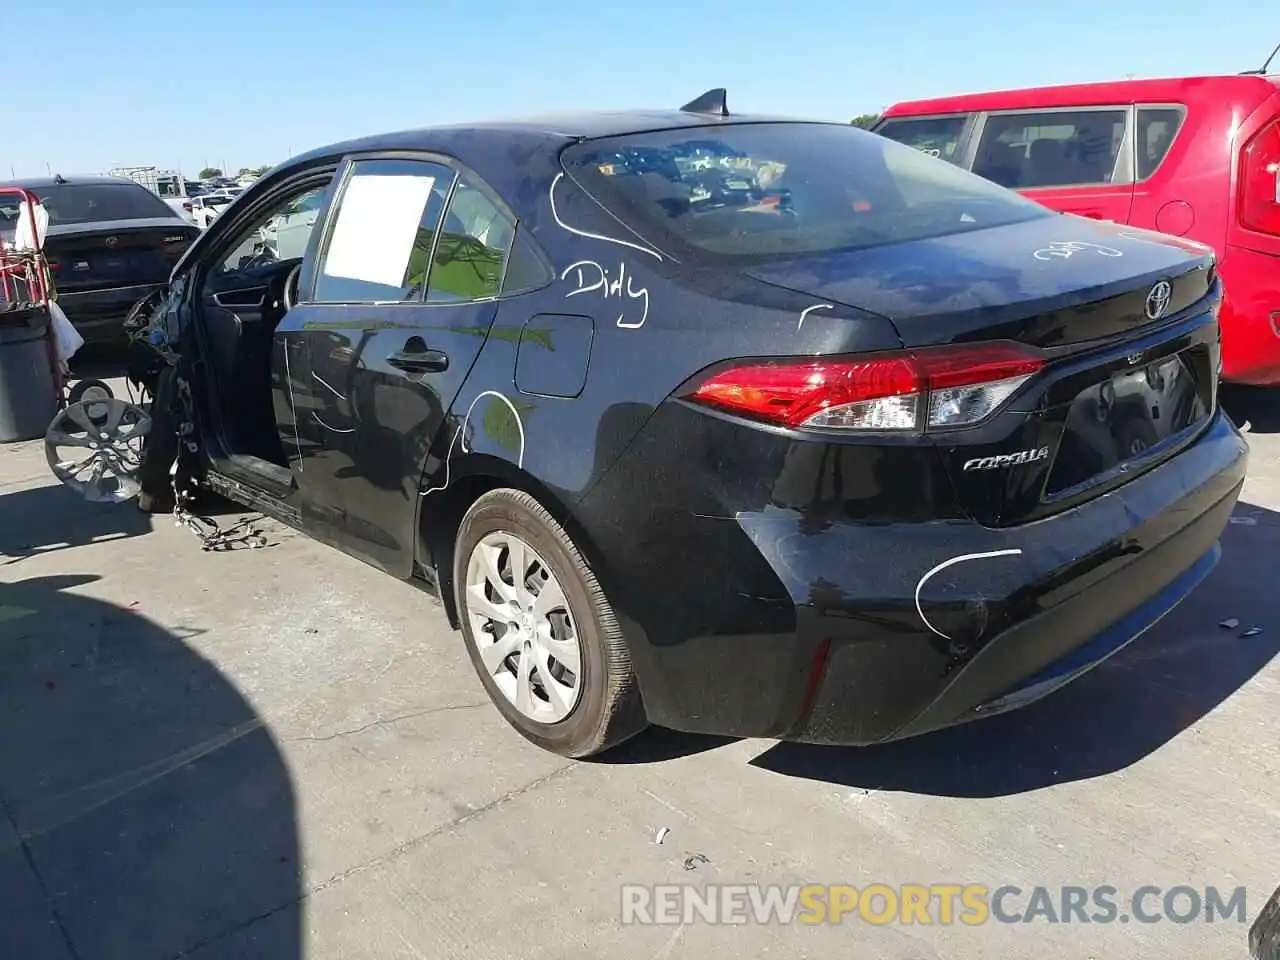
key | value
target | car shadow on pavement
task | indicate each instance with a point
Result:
(145, 809)
(43, 519)
(1257, 408)
(659, 743)
(1123, 710)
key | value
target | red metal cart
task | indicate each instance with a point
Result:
(24, 272)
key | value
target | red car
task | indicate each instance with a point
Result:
(1196, 157)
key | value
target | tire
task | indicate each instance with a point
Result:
(608, 707)
(97, 388)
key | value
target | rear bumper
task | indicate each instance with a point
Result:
(1116, 602)
(99, 314)
(1250, 317)
(856, 633)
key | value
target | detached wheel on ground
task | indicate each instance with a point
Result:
(540, 631)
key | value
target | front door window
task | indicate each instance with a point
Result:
(281, 232)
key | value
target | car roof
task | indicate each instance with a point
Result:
(1085, 94)
(44, 183)
(547, 131)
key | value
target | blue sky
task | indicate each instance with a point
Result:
(248, 82)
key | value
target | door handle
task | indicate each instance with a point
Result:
(417, 358)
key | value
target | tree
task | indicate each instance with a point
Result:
(866, 121)
(208, 173)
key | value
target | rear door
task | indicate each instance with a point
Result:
(945, 136)
(1075, 160)
(402, 296)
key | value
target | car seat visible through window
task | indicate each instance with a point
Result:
(1001, 162)
(1047, 164)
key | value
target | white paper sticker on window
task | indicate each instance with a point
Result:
(377, 222)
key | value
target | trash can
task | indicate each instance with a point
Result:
(28, 392)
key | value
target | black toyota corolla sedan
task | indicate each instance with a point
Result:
(731, 424)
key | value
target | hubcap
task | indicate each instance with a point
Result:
(523, 627)
(95, 447)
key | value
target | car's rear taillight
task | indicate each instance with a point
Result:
(898, 391)
(1258, 205)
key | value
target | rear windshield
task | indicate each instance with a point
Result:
(91, 203)
(765, 191)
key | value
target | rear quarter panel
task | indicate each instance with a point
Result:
(649, 324)
(653, 324)
(1191, 192)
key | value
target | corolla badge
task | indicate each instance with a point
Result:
(1003, 460)
(1158, 300)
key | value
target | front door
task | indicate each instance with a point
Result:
(400, 301)
(1073, 161)
(242, 297)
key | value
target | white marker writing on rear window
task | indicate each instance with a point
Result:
(1064, 249)
(551, 198)
(592, 277)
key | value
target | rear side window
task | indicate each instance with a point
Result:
(96, 202)
(935, 136)
(1056, 149)
(380, 245)
(771, 191)
(1157, 126)
(474, 241)
(526, 269)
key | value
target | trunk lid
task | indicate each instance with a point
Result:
(116, 253)
(1125, 319)
(1050, 282)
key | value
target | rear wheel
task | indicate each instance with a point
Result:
(540, 631)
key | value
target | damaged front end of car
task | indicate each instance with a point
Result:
(151, 448)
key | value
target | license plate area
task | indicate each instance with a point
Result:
(74, 270)
(1131, 418)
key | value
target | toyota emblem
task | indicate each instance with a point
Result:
(113, 242)
(1158, 300)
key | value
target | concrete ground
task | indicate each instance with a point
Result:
(284, 754)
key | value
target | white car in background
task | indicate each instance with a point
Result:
(180, 194)
(288, 233)
(284, 236)
(205, 208)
